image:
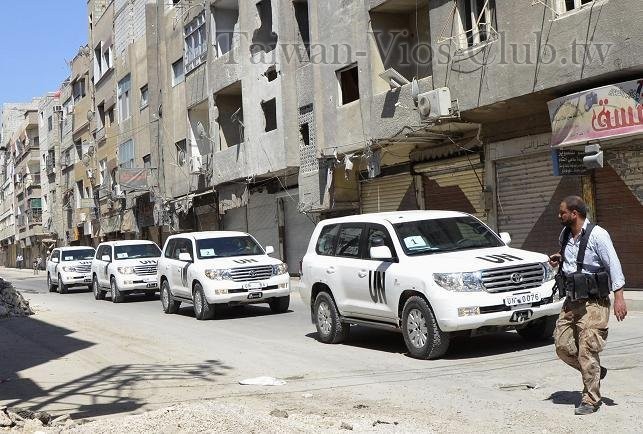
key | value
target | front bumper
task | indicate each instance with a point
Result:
(76, 279)
(488, 309)
(238, 292)
(136, 283)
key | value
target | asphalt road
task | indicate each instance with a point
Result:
(91, 358)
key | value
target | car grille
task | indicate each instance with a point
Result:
(513, 278)
(246, 274)
(145, 270)
(83, 268)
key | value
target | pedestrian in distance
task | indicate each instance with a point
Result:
(589, 270)
(19, 260)
(35, 265)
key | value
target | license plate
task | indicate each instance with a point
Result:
(253, 285)
(151, 285)
(517, 299)
(254, 295)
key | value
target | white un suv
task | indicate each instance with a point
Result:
(68, 267)
(125, 267)
(207, 269)
(428, 274)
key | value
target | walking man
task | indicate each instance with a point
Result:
(590, 272)
(19, 261)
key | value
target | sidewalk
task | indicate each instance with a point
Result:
(633, 296)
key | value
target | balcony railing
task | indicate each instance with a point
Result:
(50, 162)
(34, 216)
(32, 180)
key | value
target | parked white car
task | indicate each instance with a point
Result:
(428, 274)
(207, 269)
(125, 267)
(69, 267)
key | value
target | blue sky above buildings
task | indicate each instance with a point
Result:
(37, 38)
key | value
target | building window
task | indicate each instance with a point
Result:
(348, 79)
(122, 98)
(270, 114)
(224, 26)
(181, 152)
(147, 161)
(196, 43)
(178, 73)
(126, 155)
(103, 172)
(50, 123)
(569, 5)
(475, 21)
(144, 94)
(78, 89)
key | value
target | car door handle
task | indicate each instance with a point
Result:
(362, 273)
(330, 270)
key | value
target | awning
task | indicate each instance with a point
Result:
(607, 112)
(232, 196)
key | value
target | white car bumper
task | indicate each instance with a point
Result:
(226, 291)
(136, 283)
(76, 279)
(469, 311)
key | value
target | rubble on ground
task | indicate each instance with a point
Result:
(12, 303)
(23, 420)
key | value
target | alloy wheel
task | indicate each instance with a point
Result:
(416, 328)
(323, 317)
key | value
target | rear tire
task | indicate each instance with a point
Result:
(421, 331)
(202, 309)
(280, 304)
(62, 288)
(538, 330)
(98, 293)
(117, 295)
(170, 305)
(50, 286)
(330, 329)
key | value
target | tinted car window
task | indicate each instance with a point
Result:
(348, 241)
(378, 236)
(77, 255)
(227, 247)
(169, 249)
(55, 254)
(327, 239)
(136, 251)
(182, 245)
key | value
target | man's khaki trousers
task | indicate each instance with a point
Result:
(581, 331)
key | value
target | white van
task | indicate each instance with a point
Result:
(69, 267)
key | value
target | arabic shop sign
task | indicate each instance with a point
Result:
(132, 179)
(606, 112)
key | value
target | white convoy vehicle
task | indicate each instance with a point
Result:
(125, 267)
(428, 274)
(69, 267)
(207, 269)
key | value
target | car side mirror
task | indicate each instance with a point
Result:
(105, 258)
(185, 257)
(381, 252)
(54, 260)
(270, 250)
(505, 237)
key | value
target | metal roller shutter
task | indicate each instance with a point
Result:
(528, 197)
(620, 211)
(454, 185)
(235, 220)
(389, 193)
(298, 230)
(263, 221)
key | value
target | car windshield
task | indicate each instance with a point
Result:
(136, 251)
(227, 246)
(77, 255)
(425, 237)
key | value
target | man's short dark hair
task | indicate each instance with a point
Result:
(575, 203)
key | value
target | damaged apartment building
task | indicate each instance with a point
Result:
(268, 115)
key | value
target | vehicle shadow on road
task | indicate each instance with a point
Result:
(233, 312)
(372, 339)
(492, 345)
(566, 397)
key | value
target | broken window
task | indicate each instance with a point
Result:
(224, 25)
(400, 44)
(196, 43)
(303, 25)
(348, 84)
(229, 102)
(569, 5)
(181, 152)
(264, 38)
(178, 73)
(475, 21)
(270, 113)
(271, 73)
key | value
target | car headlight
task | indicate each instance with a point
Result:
(69, 269)
(279, 269)
(460, 282)
(125, 270)
(216, 274)
(550, 272)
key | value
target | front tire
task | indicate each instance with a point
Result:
(421, 331)
(117, 295)
(538, 330)
(50, 286)
(202, 309)
(170, 305)
(330, 329)
(280, 304)
(98, 293)
(62, 288)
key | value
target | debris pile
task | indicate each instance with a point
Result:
(11, 302)
(31, 421)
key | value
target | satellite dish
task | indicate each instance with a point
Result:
(415, 91)
(90, 115)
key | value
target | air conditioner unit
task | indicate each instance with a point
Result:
(58, 108)
(118, 193)
(196, 164)
(82, 217)
(435, 104)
